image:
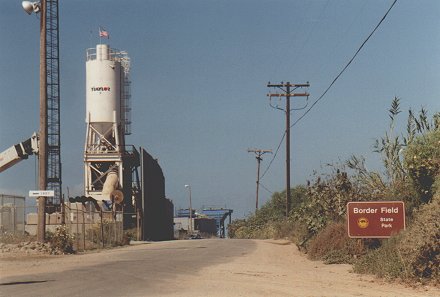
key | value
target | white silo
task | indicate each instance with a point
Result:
(103, 89)
(107, 114)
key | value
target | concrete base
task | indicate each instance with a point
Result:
(32, 229)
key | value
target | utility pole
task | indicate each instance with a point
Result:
(190, 211)
(258, 154)
(287, 88)
(42, 153)
(49, 163)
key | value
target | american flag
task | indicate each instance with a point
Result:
(103, 33)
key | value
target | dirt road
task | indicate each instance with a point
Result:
(192, 268)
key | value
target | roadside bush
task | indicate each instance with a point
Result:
(108, 233)
(61, 241)
(234, 227)
(270, 220)
(333, 246)
(284, 229)
(250, 229)
(420, 244)
(422, 158)
(436, 196)
(315, 221)
(326, 201)
(128, 235)
(385, 261)
(413, 254)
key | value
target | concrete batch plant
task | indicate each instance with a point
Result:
(111, 167)
(107, 121)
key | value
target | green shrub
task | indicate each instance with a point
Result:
(253, 231)
(270, 220)
(326, 200)
(422, 158)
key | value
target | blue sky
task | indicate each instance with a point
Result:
(199, 75)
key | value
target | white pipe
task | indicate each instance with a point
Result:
(110, 184)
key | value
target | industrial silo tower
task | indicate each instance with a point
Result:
(107, 121)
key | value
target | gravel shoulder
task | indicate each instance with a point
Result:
(18, 262)
(277, 268)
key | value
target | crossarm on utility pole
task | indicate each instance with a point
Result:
(289, 95)
(258, 154)
(287, 88)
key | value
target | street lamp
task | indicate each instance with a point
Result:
(190, 210)
(40, 7)
(31, 7)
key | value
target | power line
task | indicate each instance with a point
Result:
(312, 29)
(287, 95)
(346, 66)
(325, 92)
(264, 187)
(288, 89)
(274, 156)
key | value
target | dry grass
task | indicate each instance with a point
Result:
(333, 245)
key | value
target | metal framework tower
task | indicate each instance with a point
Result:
(53, 181)
(220, 215)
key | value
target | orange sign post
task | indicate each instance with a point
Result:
(379, 219)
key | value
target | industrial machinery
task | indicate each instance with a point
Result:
(111, 174)
(18, 152)
(220, 215)
(106, 157)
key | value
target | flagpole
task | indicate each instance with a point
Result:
(103, 33)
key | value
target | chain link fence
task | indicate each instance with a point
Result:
(92, 229)
(87, 227)
(12, 214)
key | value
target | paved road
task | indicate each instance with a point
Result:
(213, 268)
(145, 270)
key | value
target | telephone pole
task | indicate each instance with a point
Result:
(288, 89)
(258, 154)
(42, 152)
(49, 162)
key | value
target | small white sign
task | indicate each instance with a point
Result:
(47, 193)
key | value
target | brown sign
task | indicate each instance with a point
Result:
(379, 219)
